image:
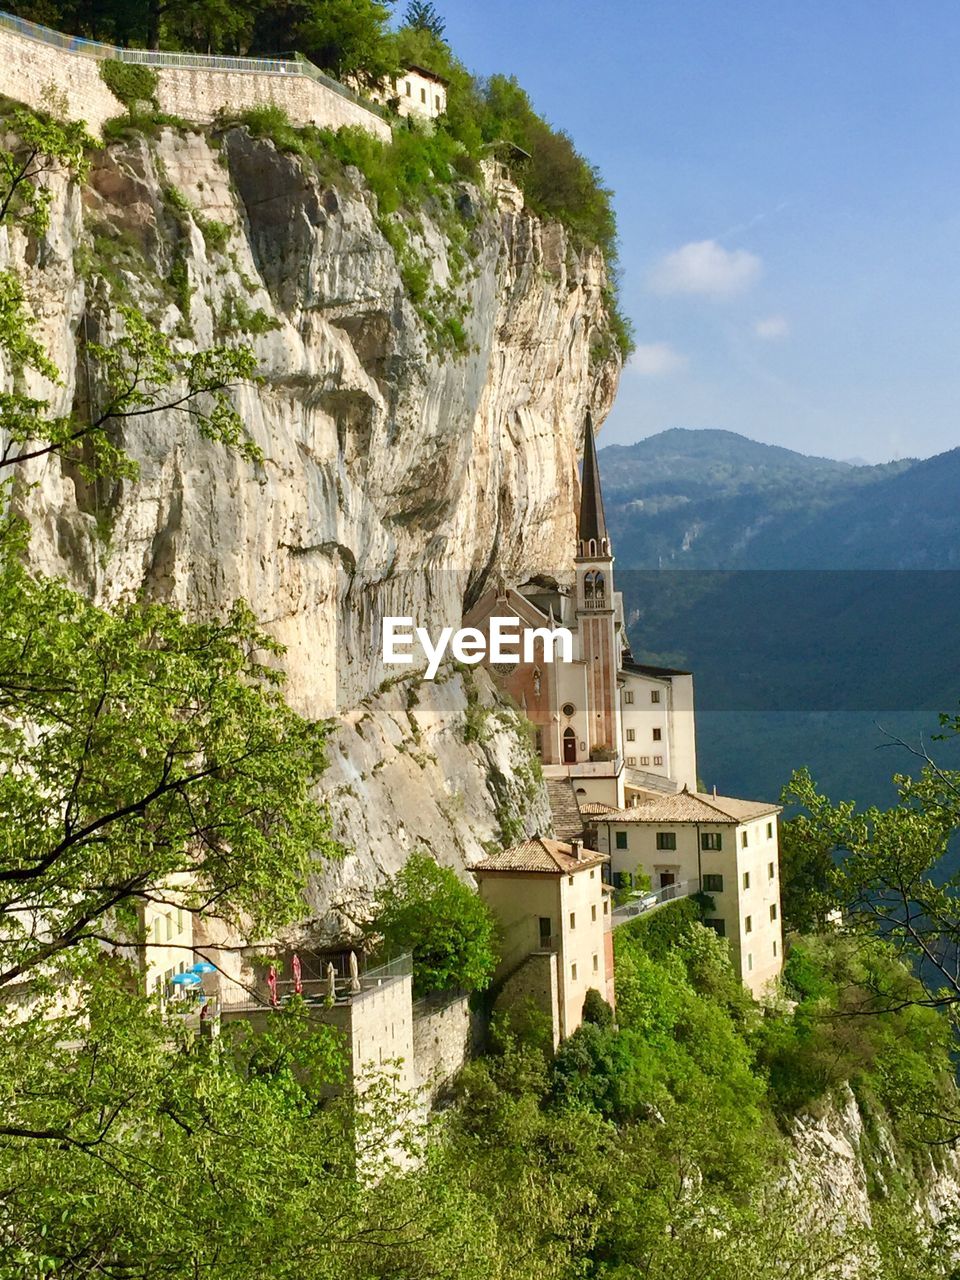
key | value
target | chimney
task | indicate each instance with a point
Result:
(714, 790)
(577, 847)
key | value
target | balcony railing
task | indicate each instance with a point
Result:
(641, 903)
(237, 998)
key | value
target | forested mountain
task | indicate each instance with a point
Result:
(824, 604)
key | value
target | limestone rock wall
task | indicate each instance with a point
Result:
(396, 480)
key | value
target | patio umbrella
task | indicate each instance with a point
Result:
(297, 975)
(202, 966)
(354, 972)
(186, 979)
(272, 984)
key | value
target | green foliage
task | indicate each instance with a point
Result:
(596, 1009)
(421, 15)
(166, 747)
(427, 910)
(41, 148)
(898, 1058)
(130, 83)
(806, 874)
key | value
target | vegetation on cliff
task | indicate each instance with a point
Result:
(420, 167)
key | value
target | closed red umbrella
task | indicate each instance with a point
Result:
(272, 984)
(297, 975)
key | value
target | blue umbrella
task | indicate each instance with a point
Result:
(202, 966)
(186, 980)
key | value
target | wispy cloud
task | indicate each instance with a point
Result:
(656, 360)
(772, 328)
(705, 267)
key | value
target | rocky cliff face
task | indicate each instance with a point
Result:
(849, 1161)
(396, 480)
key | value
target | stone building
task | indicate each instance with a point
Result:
(725, 848)
(618, 729)
(554, 915)
(617, 742)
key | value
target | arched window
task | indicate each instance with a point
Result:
(599, 593)
(588, 590)
(569, 747)
(592, 550)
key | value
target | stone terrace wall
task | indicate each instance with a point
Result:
(443, 1036)
(38, 74)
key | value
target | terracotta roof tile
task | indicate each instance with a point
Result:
(694, 806)
(541, 855)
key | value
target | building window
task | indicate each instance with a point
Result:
(666, 840)
(573, 971)
(631, 735)
(179, 919)
(774, 946)
(644, 759)
(748, 924)
(621, 840)
(658, 735)
(570, 880)
(746, 879)
(711, 840)
(631, 761)
(718, 925)
(169, 920)
(568, 709)
(658, 760)
(750, 960)
(654, 695)
(406, 88)
(596, 963)
(771, 871)
(605, 906)
(437, 102)
(628, 696)
(545, 926)
(423, 96)
(769, 830)
(743, 839)
(573, 919)
(713, 884)
(593, 873)
(773, 911)
(593, 912)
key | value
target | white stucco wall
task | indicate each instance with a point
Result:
(757, 955)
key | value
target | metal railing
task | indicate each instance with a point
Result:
(643, 901)
(294, 65)
(316, 991)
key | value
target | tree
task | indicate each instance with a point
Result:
(421, 15)
(427, 910)
(890, 874)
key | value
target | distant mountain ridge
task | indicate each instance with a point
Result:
(702, 499)
(799, 664)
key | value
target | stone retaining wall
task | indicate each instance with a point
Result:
(41, 76)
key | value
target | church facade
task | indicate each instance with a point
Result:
(621, 730)
(617, 743)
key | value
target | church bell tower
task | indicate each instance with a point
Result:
(596, 616)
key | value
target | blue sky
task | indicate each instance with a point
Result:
(787, 184)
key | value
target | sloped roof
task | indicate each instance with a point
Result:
(694, 806)
(592, 522)
(645, 669)
(539, 855)
(596, 809)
